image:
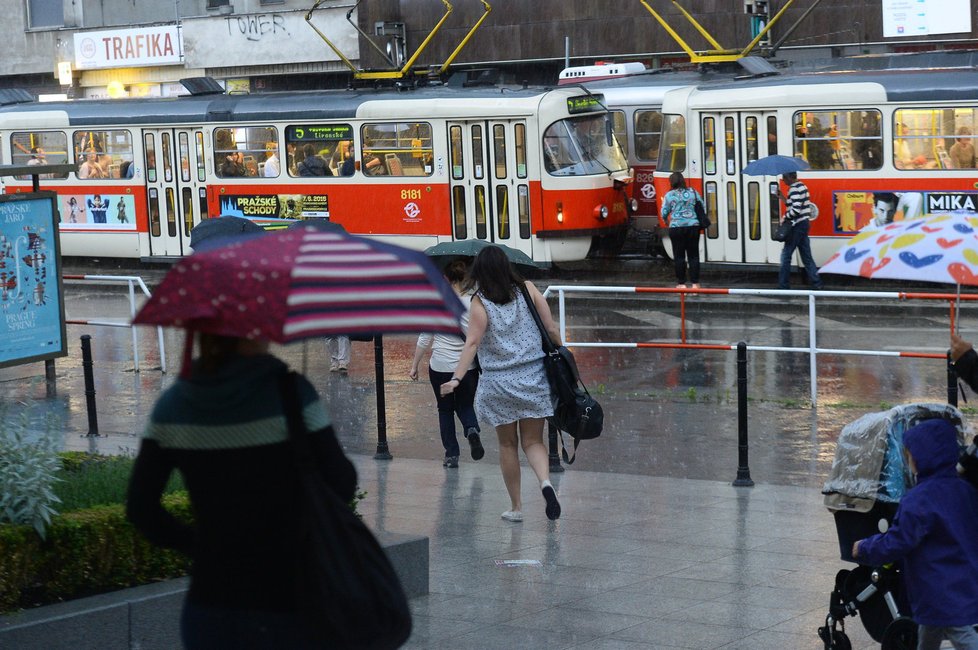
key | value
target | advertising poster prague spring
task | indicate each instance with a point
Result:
(32, 320)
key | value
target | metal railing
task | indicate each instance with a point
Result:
(813, 350)
(131, 281)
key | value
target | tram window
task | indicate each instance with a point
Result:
(754, 210)
(154, 212)
(184, 157)
(519, 131)
(934, 138)
(772, 135)
(100, 154)
(458, 211)
(619, 130)
(579, 145)
(402, 149)
(710, 197)
(709, 145)
(39, 148)
(171, 212)
(733, 231)
(166, 160)
(753, 147)
(202, 199)
(774, 206)
(502, 211)
(188, 210)
(499, 149)
(242, 151)
(455, 153)
(672, 151)
(478, 152)
(848, 140)
(523, 197)
(729, 137)
(648, 133)
(480, 212)
(199, 145)
(320, 143)
(149, 147)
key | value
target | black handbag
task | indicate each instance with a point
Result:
(348, 590)
(783, 231)
(575, 411)
(701, 215)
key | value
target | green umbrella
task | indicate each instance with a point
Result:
(446, 251)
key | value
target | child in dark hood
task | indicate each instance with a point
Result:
(935, 534)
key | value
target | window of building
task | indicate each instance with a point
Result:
(934, 138)
(44, 13)
(648, 132)
(244, 151)
(39, 148)
(396, 149)
(215, 4)
(849, 140)
(102, 154)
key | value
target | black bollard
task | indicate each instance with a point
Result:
(383, 452)
(86, 345)
(952, 382)
(554, 456)
(743, 469)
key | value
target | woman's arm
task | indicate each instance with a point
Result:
(543, 308)
(478, 321)
(424, 344)
(150, 474)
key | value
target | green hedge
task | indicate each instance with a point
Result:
(86, 552)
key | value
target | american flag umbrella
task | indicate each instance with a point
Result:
(304, 282)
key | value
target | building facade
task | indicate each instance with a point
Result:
(98, 48)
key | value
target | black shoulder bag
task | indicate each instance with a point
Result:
(575, 411)
(701, 215)
(347, 588)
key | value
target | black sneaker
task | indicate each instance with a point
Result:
(475, 443)
(553, 506)
(450, 461)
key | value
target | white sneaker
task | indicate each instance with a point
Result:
(513, 515)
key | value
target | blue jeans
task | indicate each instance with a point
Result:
(798, 239)
(460, 402)
(218, 628)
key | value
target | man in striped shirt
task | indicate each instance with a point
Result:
(799, 212)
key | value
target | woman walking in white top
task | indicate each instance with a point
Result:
(445, 352)
(514, 394)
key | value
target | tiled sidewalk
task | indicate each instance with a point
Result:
(635, 562)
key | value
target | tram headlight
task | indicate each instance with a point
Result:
(601, 212)
(633, 206)
(560, 212)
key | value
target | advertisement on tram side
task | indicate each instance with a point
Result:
(103, 211)
(853, 211)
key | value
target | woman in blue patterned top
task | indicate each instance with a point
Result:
(684, 229)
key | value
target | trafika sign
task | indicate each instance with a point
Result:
(126, 48)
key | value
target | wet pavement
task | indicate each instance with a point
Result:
(653, 535)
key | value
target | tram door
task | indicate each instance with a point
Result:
(176, 195)
(742, 208)
(489, 184)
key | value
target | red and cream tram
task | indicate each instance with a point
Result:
(533, 169)
(883, 145)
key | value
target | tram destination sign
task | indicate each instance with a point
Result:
(32, 316)
(585, 104)
(319, 133)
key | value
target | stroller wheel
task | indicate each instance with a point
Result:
(834, 639)
(901, 634)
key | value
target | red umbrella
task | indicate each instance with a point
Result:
(304, 282)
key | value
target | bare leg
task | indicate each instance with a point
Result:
(531, 437)
(509, 463)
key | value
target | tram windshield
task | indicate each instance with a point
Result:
(672, 152)
(578, 146)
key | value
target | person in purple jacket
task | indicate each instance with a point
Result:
(935, 534)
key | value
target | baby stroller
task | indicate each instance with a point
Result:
(868, 478)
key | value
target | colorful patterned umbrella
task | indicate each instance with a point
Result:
(303, 282)
(934, 248)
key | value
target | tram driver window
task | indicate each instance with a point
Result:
(39, 148)
(396, 149)
(648, 132)
(243, 151)
(101, 154)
